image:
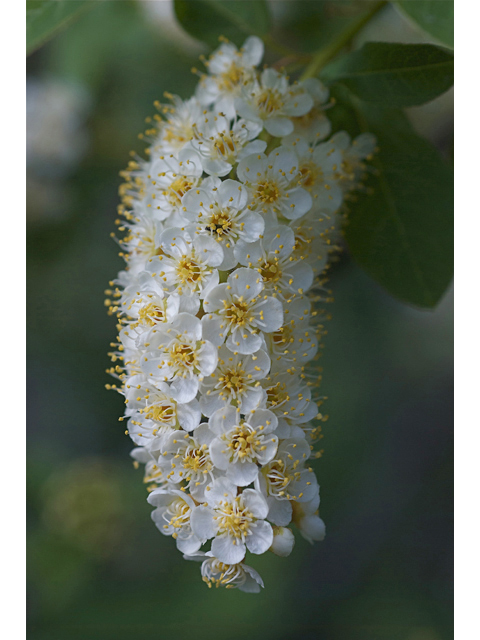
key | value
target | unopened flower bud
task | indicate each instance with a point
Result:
(283, 541)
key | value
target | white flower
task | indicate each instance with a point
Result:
(176, 130)
(271, 256)
(283, 541)
(306, 518)
(221, 145)
(141, 242)
(231, 576)
(238, 312)
(240, 445)
(289, 398)
(172, 517)
(219, 210)
(236, 522)
(314, 125)
(235, 381)
(153, 473)
(312, 238)
(178, 355)
(170, 179)
(186, 458)
(319, 167)
(154, 414)
(353, 167)
(144, 303)
(295, 342)
(272, 102)
(273, 183)
(186, 264)
(284, 480)
(229, 69)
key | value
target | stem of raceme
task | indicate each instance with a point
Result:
(326, 54)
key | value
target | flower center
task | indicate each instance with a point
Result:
(270, 270)
(243, 442)
(267, 192)
(278, 477)
(268, 101)
(150, 314)
(175, 192)
(195, 461)
(234, 519)
(233, 380)
(310, 174)
(231, 79)
(220, 223)
(160, 412)
(281, 338)
(238, 312)
(188, 270)
(278, 394)
(225, 146)
(178, 514)
(217, 573)
(183, 356)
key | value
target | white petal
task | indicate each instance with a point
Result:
(255, 502)
(207, 358)
(312, 528)
(223, 420)
(252, 51)
(280, 511)
(203, 523)
(261, 537)
(221, 490)
(188, 545)
(225, 549)
(272, 318)
(246, 282)
(241, 341)
(219, 455)
(242, 473)
(254, 581)
(279, 126)
(189, 415)
(249, 168)
(299, 201)
(184, 389)
(232, 194)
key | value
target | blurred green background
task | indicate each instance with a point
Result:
(98, 567)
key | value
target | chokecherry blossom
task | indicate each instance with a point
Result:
(235, 522)
(228, 228)
(219, 210)
(242, 444)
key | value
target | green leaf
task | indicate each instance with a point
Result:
(394, 75)
(433, 16)
(45, 18)
(235, 19)
(402, 232)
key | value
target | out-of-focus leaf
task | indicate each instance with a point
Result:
(401, 232)
(45, 18)
(433, 16)
(309, 25)
(394, 75)
(206, 20)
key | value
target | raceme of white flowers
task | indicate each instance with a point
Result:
(228, 228)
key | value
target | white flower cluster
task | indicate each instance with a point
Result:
(227, 229)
